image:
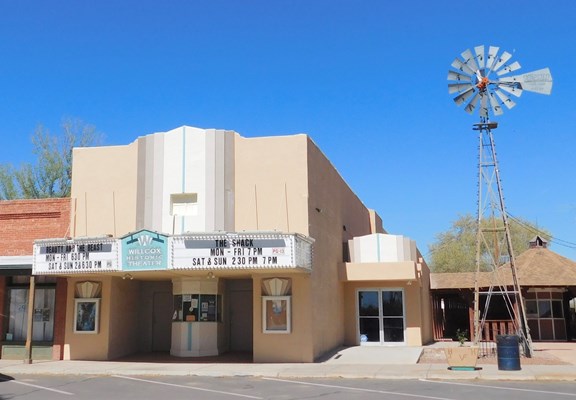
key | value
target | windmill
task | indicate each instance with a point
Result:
(483, 82)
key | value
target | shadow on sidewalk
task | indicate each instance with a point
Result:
(165, 357)
(5, 378)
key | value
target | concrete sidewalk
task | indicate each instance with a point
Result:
(354, 362)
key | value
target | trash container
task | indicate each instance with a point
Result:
(508, 349)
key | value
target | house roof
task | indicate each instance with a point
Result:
(536, 266)
(452, 280)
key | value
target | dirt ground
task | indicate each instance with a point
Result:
(540, 357)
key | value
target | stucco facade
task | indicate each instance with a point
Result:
(190, 187)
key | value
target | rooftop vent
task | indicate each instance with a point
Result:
(538, 241)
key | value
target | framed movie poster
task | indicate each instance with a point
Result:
(276, 314)
(86, 315)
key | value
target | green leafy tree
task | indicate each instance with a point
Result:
(51, 175)
(455, 249)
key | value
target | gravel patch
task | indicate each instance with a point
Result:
(540, 357)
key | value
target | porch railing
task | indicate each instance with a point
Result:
(493, 328)
(490, 330)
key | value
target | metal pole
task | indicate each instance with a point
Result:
(478, 244)
(29, 330)
(522, 321)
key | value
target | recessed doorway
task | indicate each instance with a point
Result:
(240, 315)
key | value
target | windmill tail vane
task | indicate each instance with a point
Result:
(483, 82)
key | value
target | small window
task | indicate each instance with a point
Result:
(544, 309)
(532, 308)
(184, 204)
(557, 309)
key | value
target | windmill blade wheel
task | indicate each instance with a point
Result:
(479, 79)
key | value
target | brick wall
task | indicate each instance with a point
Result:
(23, 221)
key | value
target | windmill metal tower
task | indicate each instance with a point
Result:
(482, 82)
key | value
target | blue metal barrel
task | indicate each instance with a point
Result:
(508, 349)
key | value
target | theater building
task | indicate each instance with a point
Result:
(202, 242)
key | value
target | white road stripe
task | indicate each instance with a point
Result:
(358, 389)
(38, 387)
(500, 387)
(187, 387)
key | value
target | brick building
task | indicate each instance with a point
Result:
(22, 222)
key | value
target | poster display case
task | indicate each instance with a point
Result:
(197, 308)
(276, 314)
(86, 315)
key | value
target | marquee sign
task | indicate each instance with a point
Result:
(144, 251)
(151, 251)
(62, 256)
(235, 251)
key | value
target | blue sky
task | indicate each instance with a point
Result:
(365, 79)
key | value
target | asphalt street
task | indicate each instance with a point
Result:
(26, 387)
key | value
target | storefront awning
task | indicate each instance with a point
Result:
(15, 265)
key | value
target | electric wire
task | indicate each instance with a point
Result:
(532, 229)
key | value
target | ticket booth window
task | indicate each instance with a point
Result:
(197, 308)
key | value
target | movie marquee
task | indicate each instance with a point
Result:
(148, 250)
(61, 256)
(241, 251)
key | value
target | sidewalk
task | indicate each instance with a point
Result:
(354, 362)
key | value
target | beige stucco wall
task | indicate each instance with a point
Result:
(271, 186)
(336, 215)
(287, 184)
(104, 183)
(83, 346)
(125, 307)
(376, 223)
(271, 193)
(119, 320)
(426, 309)
(413, 304)
(279, 347)
(392, 271)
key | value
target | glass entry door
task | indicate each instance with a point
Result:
(43, 319)
(381, 316)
